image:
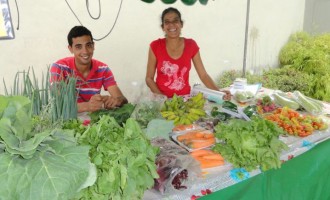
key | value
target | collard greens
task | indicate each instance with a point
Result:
(45, 176)
(47, 165)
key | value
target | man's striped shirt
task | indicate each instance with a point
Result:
(100, 75)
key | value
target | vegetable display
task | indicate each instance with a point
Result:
(250, 144)
(175, 167)
(222, 116)
(124, 158)
(38, 165)
(251, 110)
(207, 158)
(282, 99)
(145, 112)
(294, 123)
(312, 106)
(265, 104)
(196, 139)
(119, 155)
(182, 112)
(243, 96)
(120, 114)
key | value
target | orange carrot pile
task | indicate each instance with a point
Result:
(207, 158)
(186, 127)
(197, 139)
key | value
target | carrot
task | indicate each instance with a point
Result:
(213, 157)
(186, 136)
(183, 127)
(196, 144)
(208, 135)
(208, 163)
(201, 152)
(199, 135)
(190, 135)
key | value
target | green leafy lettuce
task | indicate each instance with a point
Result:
(124, 158)
(120, 114)
(250, 144)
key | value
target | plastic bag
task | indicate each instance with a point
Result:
(148, 108)
(159, 128)
(175, 167)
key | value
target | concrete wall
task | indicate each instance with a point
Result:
(317, 16)
(218, 28)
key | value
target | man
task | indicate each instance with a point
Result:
(91, 74)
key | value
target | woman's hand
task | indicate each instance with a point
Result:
(227, 96)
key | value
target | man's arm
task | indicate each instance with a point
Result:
(116, 98)
(94, 104)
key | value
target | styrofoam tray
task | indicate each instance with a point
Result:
(175, 136)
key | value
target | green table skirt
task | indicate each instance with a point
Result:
(305, 177)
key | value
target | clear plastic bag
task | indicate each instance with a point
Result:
(147, 108)
(176, 168)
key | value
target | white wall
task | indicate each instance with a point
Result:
(271, 24)
(317, 16)
(218, 28)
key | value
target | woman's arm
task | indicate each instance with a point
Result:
(150, 75)
(203, 75)
(205, 78)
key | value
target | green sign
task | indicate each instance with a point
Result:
(187, 2)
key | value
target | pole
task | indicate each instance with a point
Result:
(246, 35)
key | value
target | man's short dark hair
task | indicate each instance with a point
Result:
(78, 31)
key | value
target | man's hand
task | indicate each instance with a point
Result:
(113, 102)
(95, 103)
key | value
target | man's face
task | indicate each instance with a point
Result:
(82, 48)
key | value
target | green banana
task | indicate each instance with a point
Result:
(192, 116)
(199, 112)
(176, 121)
(165, 114)
(182, 112)
(198, 97)
(172, 117)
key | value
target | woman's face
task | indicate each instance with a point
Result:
(172, 25)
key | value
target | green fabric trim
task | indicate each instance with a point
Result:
(305, 177)
(186, 2)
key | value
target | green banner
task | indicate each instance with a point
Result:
(187, 2)
(305, 177)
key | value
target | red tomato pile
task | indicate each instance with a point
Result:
(294, 123)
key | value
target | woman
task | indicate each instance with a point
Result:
(171, 57)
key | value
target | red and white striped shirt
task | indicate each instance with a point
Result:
(100, 75)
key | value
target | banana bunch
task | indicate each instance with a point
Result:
(182, 112)
(176, 103)
(197, 101)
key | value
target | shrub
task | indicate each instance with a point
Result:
(227, 78)
(286, 79)
(310, 55)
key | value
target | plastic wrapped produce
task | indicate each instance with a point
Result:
(175, 167)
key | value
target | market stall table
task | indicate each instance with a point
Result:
(305, 177)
